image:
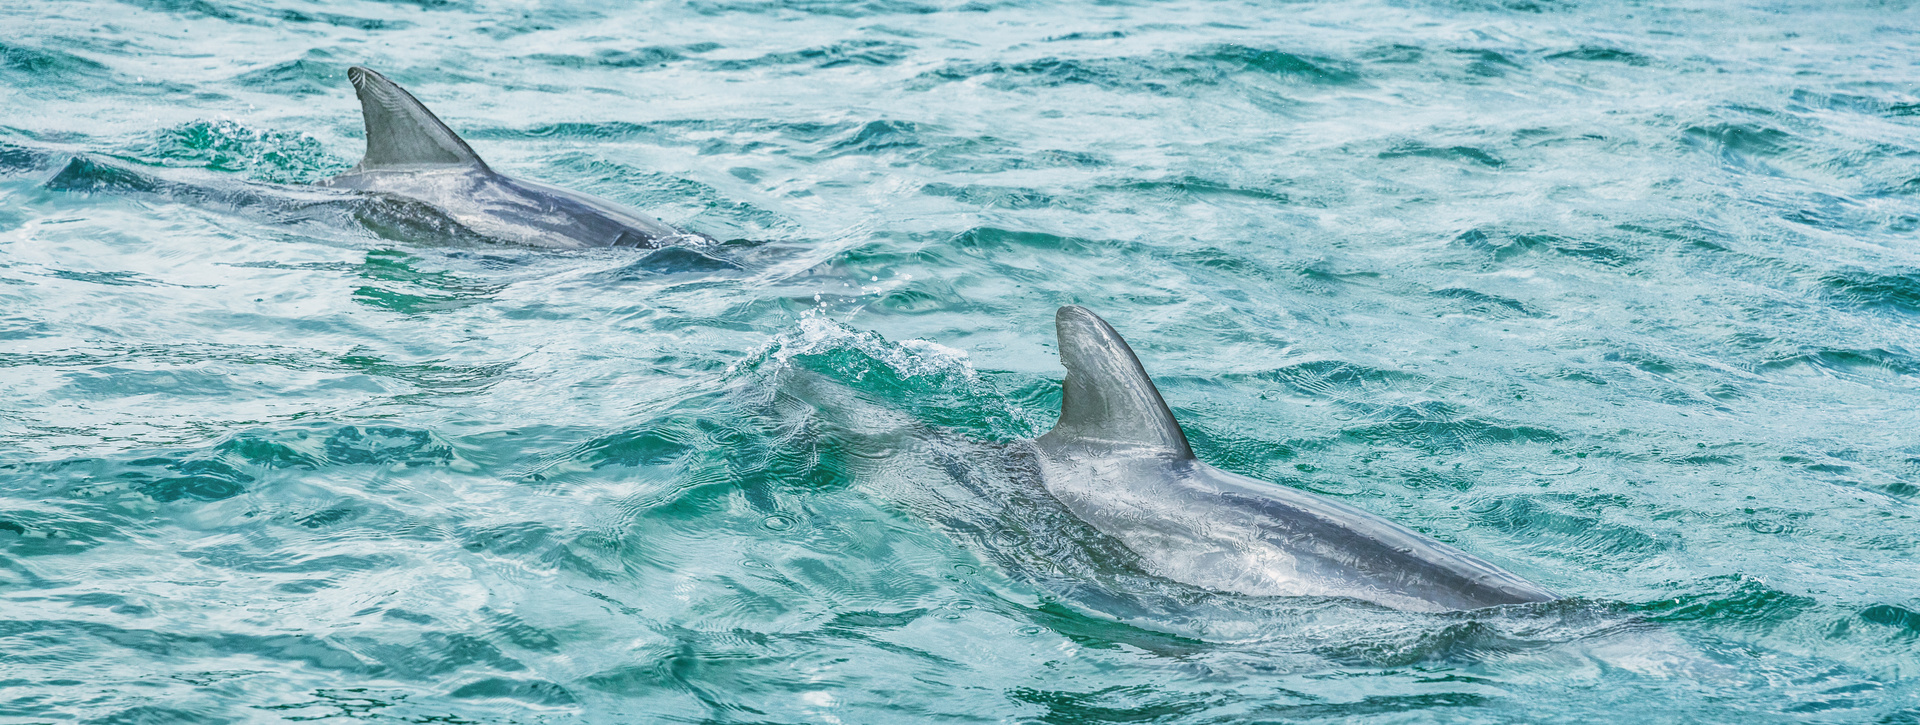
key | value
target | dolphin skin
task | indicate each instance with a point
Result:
(1118, 460)
(411, 154)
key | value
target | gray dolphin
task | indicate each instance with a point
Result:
(411, 154)
(1118, 460)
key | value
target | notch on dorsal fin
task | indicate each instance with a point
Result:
(1107, 400)
(402, 133)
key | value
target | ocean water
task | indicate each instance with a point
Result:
(1623, 297)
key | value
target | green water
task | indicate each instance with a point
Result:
(1622, 297)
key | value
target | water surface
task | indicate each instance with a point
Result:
(1623, 298)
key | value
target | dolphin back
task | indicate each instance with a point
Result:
(1107, 401)
(1119, 461)
(401, 132)
(411, 155)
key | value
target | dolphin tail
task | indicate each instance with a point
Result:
(1107, 400)
(402, 133)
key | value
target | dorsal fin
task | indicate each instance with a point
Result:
(402, 133)
(1107, 400)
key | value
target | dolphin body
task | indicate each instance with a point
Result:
(1118, 461)
(413, 155)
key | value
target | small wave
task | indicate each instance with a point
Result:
(39, 529)
(86, 175)
(1437, 429)
(21, 159)
(982, 157)
(599, 131)
(993, 196)
(1280, 63)
(1087, 35)
(669, 260)
(1847, 360)
(1566, 535)
(38, 66)
(343, 21)
(852, 53)
(199, 480)
(689, 203)
(1341, 380)
(300, 77)
(877, 136)
(1899, 292)
(1730, 599)
(986, 240)
(1511, 6)
(235, 466)
(1158, 73)
(1049, 72)
(1193, 187)
(438, 376)
(111, 642)
(835, 8)
(1746, 146)
(263, 155)
(649, 447)
(399, 286)
(919, 383)
(425, 4)
(1598, 54)
(1828, 99)
(1450, 153)
(644, 57)
(537, 692)
(831, 342)
(1487, 305)
(1454, 642)
(1640, 359)
(1486, 62)
(116, 278)
(386, 445)
(1137, 703)
(1504, 246)
(1904, 622)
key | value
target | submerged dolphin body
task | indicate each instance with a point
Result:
(411, 154)
(1118, 460)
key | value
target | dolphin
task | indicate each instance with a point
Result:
(418, 182)
(413, 155)
(1118, 461)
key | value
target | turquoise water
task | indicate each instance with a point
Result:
(1622, 298)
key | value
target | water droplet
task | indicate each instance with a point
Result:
(777, 523)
